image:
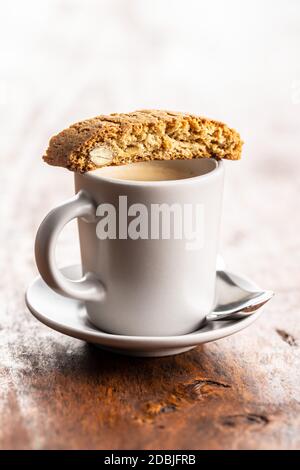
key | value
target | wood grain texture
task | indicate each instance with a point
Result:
(238, 393)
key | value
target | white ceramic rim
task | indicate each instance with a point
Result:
(213, 173)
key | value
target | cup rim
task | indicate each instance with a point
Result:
(139, 183)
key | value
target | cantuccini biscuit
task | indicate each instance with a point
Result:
(144, 135)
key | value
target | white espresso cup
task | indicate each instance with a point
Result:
(150, 281)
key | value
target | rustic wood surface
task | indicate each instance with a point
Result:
(61, 62)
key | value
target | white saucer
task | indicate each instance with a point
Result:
(69, 317)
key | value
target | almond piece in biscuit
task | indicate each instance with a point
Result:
(101, 156)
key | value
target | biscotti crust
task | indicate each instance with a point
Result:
(140, 136)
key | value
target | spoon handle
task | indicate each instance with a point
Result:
(243, 310)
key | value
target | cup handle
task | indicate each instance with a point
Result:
(88, 287)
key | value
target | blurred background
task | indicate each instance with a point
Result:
(239, 62)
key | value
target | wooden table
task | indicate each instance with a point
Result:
(57, 392)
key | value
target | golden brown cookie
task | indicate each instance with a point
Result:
(139, 136)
